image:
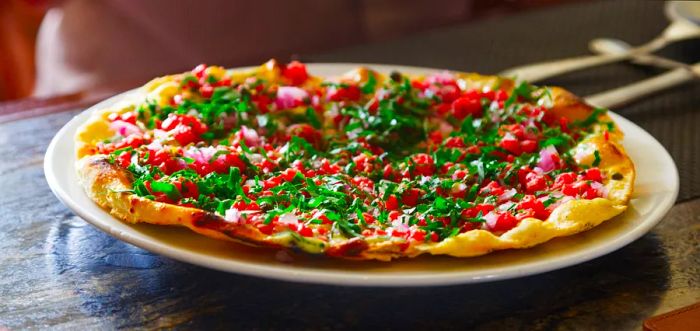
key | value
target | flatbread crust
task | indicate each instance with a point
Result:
(106, 184)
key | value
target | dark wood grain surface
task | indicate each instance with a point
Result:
(57, 271)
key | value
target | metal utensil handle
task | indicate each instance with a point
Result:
(539, 71)
(625, 94)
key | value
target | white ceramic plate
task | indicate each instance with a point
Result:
(656, 189)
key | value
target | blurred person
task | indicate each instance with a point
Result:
(117, 44)
(19, 21)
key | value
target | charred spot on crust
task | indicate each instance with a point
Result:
(103, 170)
(206, 220)
(98, 162)
(240, 239)
(352, 247)
(616, 150)
(233, 235)
(617, 176)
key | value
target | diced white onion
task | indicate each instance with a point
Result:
(600, 188)
(232, 215)
(155, 145)
(506, 206)
(507, 195)
(491, 219)
(288, 219)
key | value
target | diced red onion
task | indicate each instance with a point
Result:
(496, 117)
(229, 121)
(124, 128)
(250, 136)
(441, 78)
(194, 153)
(315, 100)
(546, 163)
(203, 154)
(181, 163)
(290, 96)
(445, 128)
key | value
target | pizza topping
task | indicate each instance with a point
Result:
(290, 97)
(407, 160)
(295, 72)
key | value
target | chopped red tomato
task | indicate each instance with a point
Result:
(347, 93)
(295, 72)
(455, 142)
(511, 145)
(306, 132)
(185, 129)
(423, 164)
(593, 174)
(504, 222)
(528, 146)
(391, 203)
(466, 106)
(535, 183)
(531, 203)
(410, 197)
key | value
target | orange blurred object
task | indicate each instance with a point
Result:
(19, 23)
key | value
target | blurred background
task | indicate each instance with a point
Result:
(62, 47)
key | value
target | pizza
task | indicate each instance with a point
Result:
(366, 165)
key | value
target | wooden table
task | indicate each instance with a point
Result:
(58, 271)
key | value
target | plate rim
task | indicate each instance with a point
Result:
(337, 277)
